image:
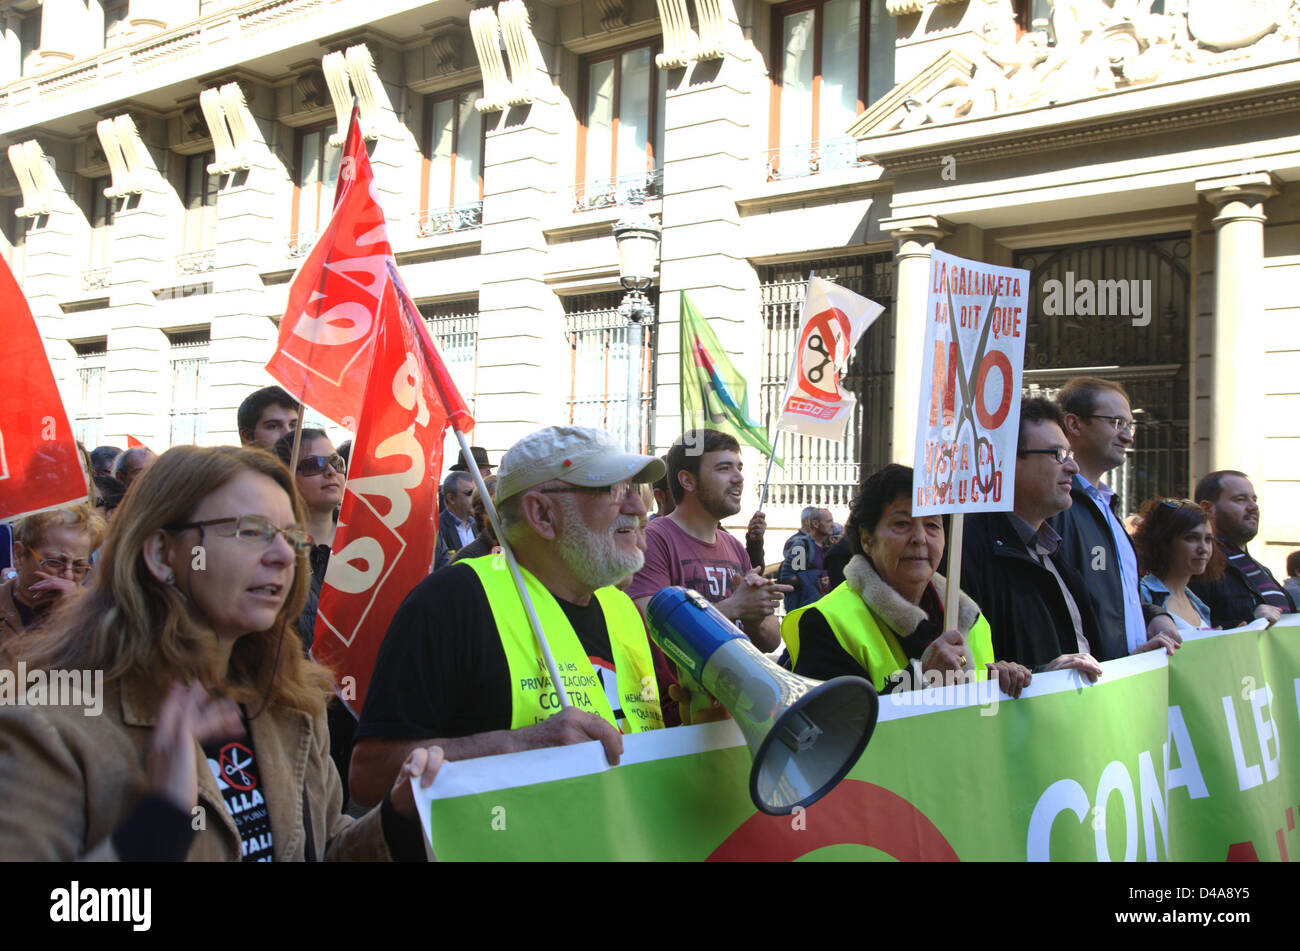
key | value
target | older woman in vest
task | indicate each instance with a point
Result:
(209, 741)
(885, 621)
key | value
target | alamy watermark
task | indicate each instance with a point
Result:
(1084, 297)
(920, 689)
(21, 687)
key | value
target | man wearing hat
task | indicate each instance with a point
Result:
(460, 665)
(480, 456)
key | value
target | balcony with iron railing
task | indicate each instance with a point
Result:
(196, 262)
(300, 243)
(624, 190)
(96, 279)
(435, 221)
(813, 158)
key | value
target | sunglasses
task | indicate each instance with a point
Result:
(1178, 503)
(315, 465)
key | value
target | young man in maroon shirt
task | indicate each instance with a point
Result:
(688, 547)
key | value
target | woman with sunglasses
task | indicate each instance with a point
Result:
(52, 552)
(210, 740)
(1175, 543)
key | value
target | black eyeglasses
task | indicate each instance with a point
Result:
(315, 465)
(616, 492)
(1059, 454)
(1178, 503)
(1120, 424)
(252, 528)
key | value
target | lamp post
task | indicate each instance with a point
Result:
(637, 236)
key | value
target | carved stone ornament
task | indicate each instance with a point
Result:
(1092, 46)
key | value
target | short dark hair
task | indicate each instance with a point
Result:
(869, 504)
(103, 457)
(1079, 396)
(1037, 409)
(661, 483)
(686, 452)
(283, 447)
(250, 411)
(1161, 524)
(1292, 564)
(455, 477)
(1211, 486)
(108, 492)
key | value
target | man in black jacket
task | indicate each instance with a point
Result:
(1247, 589)
(1099, 425)
(1040, 613)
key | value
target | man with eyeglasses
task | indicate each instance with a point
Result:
(1040, 612)
(460, 667)
(1099, 425)
(52, 555)
(456, 527)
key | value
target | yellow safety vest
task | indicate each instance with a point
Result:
(533, 698)
(869, 641)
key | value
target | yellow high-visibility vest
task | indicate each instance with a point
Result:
(532, 696)
(869, 641)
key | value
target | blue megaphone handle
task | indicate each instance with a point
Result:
(688, 628)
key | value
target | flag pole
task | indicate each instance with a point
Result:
(794, 362)
(513, 566)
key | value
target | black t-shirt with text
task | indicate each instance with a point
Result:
(442, 672)
(234, 766)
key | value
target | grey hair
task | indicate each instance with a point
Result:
(809, 514)
(453, 479)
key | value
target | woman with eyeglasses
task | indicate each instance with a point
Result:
(1175, 543)
(210, 740)
(52, 557)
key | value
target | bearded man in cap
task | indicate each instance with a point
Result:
(460, 666)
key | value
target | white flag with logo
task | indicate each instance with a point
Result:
(833, 319)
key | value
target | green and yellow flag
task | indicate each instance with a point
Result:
(713, 391)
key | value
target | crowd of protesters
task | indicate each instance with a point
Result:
(192, 580)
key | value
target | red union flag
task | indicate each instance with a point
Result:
(325, 346)
(400, 401)
(39, 464)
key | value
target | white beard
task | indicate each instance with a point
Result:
(595, 560)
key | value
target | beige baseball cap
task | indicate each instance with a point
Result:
(574, 454)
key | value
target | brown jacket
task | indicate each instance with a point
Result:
(68, 780)
(10, 622)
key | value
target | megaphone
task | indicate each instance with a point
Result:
(804, 735)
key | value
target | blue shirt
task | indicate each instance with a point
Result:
(1135, 628)
(1155, 592)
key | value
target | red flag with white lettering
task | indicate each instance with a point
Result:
(40, 467)
(324, 350)
(387, 528)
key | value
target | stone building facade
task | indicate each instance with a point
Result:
(170, 164)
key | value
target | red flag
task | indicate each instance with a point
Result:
(325, 347)
(133, 443)
(387, 529)
(40, 467)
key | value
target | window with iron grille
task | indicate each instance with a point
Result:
(598, 365)
(92, 365)
(822, 471)
(189, 387)
(1150, 361)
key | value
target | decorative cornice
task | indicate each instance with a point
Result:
(898, 8)
(1109, 128)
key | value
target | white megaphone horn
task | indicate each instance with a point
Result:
(804, 735)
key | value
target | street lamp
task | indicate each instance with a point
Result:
(637, 236)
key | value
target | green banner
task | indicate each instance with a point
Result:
(1188, 758)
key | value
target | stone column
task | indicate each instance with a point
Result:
(1236, 428)
(252, 207)
(11, 55)
(710, 144)
(914, 239)
(64, 28)
(522, 358)
(138, 385)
